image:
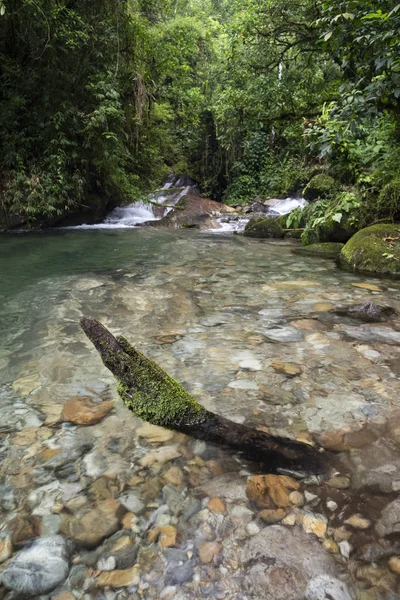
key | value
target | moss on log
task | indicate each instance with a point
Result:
(149, 392)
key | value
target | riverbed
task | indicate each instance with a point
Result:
(247, 327)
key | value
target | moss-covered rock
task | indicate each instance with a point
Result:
(328, 249)
(319, 186)
(309, 236)
(375, 249)
(263, 227)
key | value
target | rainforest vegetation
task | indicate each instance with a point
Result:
(248, 97)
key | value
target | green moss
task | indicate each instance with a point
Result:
(331, 248)
(388, 203)
(152, 394)
(371, 250)
(319, 186)
(263, 227)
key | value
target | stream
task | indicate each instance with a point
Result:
(247, 327)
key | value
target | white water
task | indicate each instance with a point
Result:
(283, 206)
(137, 213)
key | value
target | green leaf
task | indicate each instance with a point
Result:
(327, 36)
(2, 9)
(337, 217)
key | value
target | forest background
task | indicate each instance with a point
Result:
(249, 97)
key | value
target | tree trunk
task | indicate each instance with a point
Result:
(154, 396)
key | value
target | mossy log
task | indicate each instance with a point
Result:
(151, 394)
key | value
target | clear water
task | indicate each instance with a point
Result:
(215, 311)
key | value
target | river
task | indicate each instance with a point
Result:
(246, 326)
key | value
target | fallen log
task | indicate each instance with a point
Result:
(151, 394)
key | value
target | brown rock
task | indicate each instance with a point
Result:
(175, 476)
(394, 564)
(368, 286)
(358, 522)
(22, 530)
(6, 549)
(341, 534)
(155, 434)
(64, 596)
(339, 483)
(208, 551)
(331, 546)
(272, 515)
(129, 521)
(83, 410)
(216, 505)
(119, 578)
(270, 491)
(314, 525)
(90, 527)
(323, 306)
(290, 369)
(168, 536)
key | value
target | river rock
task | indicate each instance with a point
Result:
(216, 505)
(372, 333)
(39, 567)
(119, 578)
(83, 410)
(389, 521)
(278, 563)
(208, 551)
(358, 522)
(6, 549)
(284, 334)
(272, 515)
(394, 564)
(325, 587)
(230, 486)
(290, 369)
(270, 491)
(154, 434)
(90, 526)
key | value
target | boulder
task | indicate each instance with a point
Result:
(193, 211)
(318, 187)
(324, 249)
(280, 563)
(375, 249)
(261, 227)
(40, 567)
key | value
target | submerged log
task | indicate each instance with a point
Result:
(151, 394)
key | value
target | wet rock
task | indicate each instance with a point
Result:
(131, 502)
(315, 525)
(394, 564)
(284, 334)
(230, 486)
(208, 551)
(216, 505)
(166, 535)
(90, 526)
(296, 498)
(372, 333)
(154, 434)
(269, 491)
(160, 456)
(179, 574)
(331, 546)
(263, 227)
(345, 548)
(83, 410)
(6, 549)
(368, 286)
(121, 548)
(39, 567)
(278, 563)
(175, 476)
(369, 312)
(389, 521)
(339, 483)
(119, 578)
(327, 588)
(271, 515)
(290, 369)
(358, 522)
(23, 529)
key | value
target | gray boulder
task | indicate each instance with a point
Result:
(39, 567)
